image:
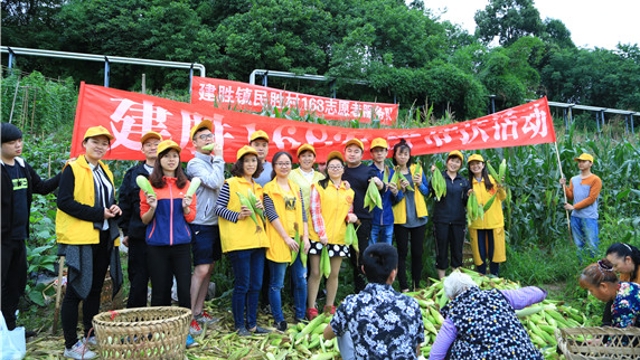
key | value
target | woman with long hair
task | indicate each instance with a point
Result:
(410, 215)
(487, 232)
(285, 209)
(243, 239)
(331, 210)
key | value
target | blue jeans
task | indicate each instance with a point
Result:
(276, 283)
(299, 277)
(248, 266)
(381, 233)
(585, 232)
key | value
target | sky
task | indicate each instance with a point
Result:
(592, 23)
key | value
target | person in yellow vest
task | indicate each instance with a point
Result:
(410, 215)
(285, 210)
(243, 239)
(487, 232)
(331, 210)
(88, 235)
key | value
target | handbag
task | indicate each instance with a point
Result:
(13, 344)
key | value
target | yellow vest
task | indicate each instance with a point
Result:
(242, 234)
(279, 251)
(400, 209)
(69, 229)
(493, 218)
(305, 186)
(334, 206)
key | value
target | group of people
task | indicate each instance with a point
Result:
(269, 216)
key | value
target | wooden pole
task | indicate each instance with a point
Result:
(56, 314)
(564, 193)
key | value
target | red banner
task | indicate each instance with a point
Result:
(228, 94)
(128, 115)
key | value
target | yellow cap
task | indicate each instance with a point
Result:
(457, 154)
(204, 124)
(244, 151)
(306, 147)
(379, 142)
(168, 144)
(259, 135)
(150, 135)
(475, 157)
(584, 156)
(335, 155)
(354, 141)
(97, 131)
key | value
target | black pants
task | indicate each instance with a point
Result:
(138, 273)
(416, 236)
(364, 232)
(165, 262)
(448, 237)
(90, 305)
(14, 261)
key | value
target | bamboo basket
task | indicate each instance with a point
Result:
(599, 343)
(143, 333)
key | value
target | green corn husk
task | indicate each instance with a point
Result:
(145, 185)
(246, 202)
(254, 199)
(325, 262)
(209, 147)
(193, 186)
(487, 206)
(401, 177)
(372, 198)
(351, 236)
(439, 185)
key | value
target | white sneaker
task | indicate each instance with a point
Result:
(91, 340)
(79, 351)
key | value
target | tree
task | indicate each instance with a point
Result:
(508, 20)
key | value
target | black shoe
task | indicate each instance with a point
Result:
(297, 321)
(259, 330)
(281, 326)
(243, 332)
(266, 309)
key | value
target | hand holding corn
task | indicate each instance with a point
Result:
(186, 201)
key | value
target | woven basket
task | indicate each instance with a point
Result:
(599, 343)
(143, 333)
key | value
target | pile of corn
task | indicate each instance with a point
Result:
(305, 341)
(540, 320)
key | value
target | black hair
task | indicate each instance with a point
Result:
(156, 178)
(325, 182)
(238, 169)
(485, 176)
(379, 260)
(623, 250)
(273, 161)
(401, 146)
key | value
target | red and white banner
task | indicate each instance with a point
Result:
(227, 94)
(128, 115)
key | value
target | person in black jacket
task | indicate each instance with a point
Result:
(449, 215)
(19, 182)
(133, 230)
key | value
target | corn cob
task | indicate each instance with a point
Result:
(145, 185)
(195, 184)
(253, 199)
(489, 202)
(439, 185)
(325, 262)
(246, 202)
